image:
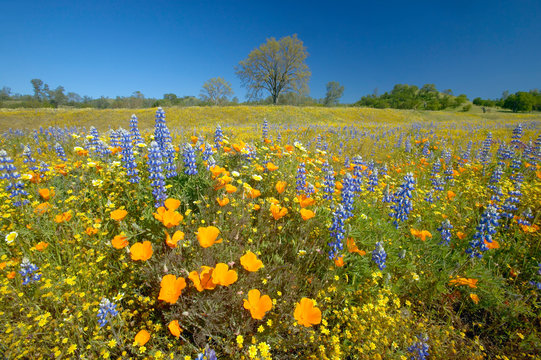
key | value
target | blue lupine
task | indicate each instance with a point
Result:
(387, 196)
(347, 195)
(328, 183)
(301, 178)
(218, 136)
(107, 309)
(484, 154)
(162, 136)
(445, 231)
(435, 178)
(419, 349)
(94, 138)
(169, 161)
(379, 256)
(517, 135)
(429, 198)
(207, 153)
(29, 272)
(402, 200)
(337, 232)
(188, 154)
(134, 131)
(114, 139)
(466, 154)
(15, 186)
(407, 146)
(128, 158)
(28, 159)
(265, 132)
(155, 173)
(486, 228)
(60, 152)
(373, 180)
(357, 173)
(208, 354)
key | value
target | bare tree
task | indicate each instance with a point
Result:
(278, 66)
(216, 91)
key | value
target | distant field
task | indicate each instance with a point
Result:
(187, 117)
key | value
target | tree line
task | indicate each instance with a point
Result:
(273, 73)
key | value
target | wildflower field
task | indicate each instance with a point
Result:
(269, 233)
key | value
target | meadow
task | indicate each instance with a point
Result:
(269, 232)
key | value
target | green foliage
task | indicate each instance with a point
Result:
(278, 66)
(334, 93)
(216, 91)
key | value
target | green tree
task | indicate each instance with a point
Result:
(37, 84)
(278, 66)
(520, 101)
(216, 91)
(334, 93)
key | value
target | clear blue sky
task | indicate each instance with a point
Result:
(111, 48)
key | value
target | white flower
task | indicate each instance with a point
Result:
(235, 173)
(257, 177)
(97, 182)
(10, 238)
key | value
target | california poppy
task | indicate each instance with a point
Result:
(41, 246)
(141, 251)
(222, 202)
(64, 217)
(119, 241)
(278, 212)
(168, 218)
(421, 234)
(352, 247)
(306, 314)
(339, 261)
(257, 304)
(207, 236)
(474, 298)
(202, 281)
(305, 201)
(46, 194)
(142, 337)
(223, 276)
(171, 288)
(174, 328)
(281, 186)
(450, 195)
(42, 208)
(172, 204)
(464, 281)
(118, 215)
(271, 166)
(492, 245)
(307, 214)
(460, 235)
(172, 241)
(230, 188)
(250, 262)
(253, 193)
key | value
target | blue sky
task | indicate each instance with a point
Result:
(112, 48)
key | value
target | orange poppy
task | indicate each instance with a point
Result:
(222, 202)
(474, 298)
(174, 328)
(11, 275)
(450, 195)
(421, 234)
(172, 204)
(202, 281)
(339, 261)
(169, 217)
(171, 288)
(118, 215)
(278, 212)
(41, 246)
(172, 241)
(281, 186)
(250, 262)
(42, 208)
(141, 251)
(91, 231)
(230, 188)
(464, 281)
(257, 304)
(307, 214)
(216, 171)
(492, 245)
(46, 194)
(253, 193)
(306, 313)
(207, 236)
(352, 247)
(223, 276)
(305, 201)
(142, 337)
(271, 166)
(120, 241)
(64, 217)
